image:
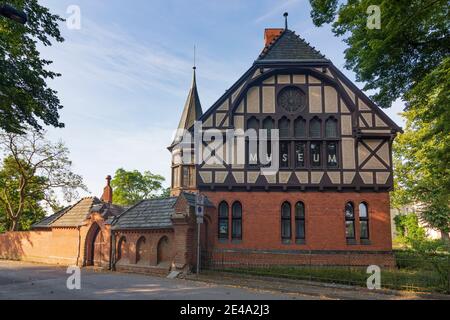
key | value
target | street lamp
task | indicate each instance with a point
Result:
(12, 13)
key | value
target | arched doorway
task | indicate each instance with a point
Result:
(95, 244)
(163, 251)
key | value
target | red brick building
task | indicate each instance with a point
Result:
(326, 202)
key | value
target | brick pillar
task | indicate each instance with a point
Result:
(183, 242)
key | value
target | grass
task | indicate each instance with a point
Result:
(413, 273)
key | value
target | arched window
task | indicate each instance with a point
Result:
(331, 128)
(236, 221)
(163, 252)
(315, 128)
(268, 124)
(253, 123)
(364, 221)
(121, 248)
(140, 250)
(286, 221)
(300, 221)
(300, 128)
(223, 220)
(349, 221)
(283, 126)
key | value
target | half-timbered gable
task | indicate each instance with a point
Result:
(331, 135)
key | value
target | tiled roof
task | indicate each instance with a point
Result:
(77, 214)
(153, 213)
(147, 214)
(290, 47)
(47, 221)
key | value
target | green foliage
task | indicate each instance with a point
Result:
(32, 170)
(10, 186)
(130, 187)
(323, 11)
(408, 228)
(407, 58)
(422, 152)
(413, 40)
(165, 193)
(26, 97)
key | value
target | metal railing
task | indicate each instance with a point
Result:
(410, 272)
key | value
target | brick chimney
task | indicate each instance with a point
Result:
(107, 191)
(271, 34)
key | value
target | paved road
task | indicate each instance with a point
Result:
(19, 280)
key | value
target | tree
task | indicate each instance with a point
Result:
(130, 187)
(406, 58)
(412, 41)
(31, 173)
(422, 152)
(26, 98)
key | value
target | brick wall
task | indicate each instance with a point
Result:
(53, 247)
(325, 228)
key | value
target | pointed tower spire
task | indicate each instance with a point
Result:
(192, 108)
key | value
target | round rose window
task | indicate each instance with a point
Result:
(292, 99)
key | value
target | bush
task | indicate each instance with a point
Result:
(408, 228)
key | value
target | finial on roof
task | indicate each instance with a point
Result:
(195, 57)
(285, 15)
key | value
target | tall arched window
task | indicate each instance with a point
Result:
(315, 128)
(223, 220)
(283, 126)
(300, 127)
(121, 248)
(300, 221)
(331, 128)
(163, 250)
(286, 221)
(364, 221)
(236, 221)
(349, 221)
(140, 250)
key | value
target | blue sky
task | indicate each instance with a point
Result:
(127, 71)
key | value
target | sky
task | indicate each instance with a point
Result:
(127, 70)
